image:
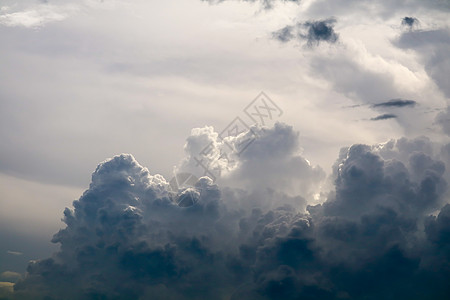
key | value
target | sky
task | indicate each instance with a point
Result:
(325, 126)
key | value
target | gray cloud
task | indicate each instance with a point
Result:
(353, 79)
(313, 32)
(394, 103)
(443, 120)
(410, 22)
(383, 8)
(285, 34)
(273, 149)
(322, 30)
(384, 117)
(381, 233)
(126, 238)
(432, 46)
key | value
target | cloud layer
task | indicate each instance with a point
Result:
(268, 223)
(382, 231)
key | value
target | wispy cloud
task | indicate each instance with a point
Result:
(396, 103)
(15, 253)
(36, 16)
(384, 117)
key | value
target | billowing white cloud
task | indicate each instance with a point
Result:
(260, 157)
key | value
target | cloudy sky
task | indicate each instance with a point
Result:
(342, 174)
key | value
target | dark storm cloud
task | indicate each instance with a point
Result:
(313, 32)
(384, 117)
(396, 103)
(372, 238)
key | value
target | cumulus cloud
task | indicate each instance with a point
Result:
(313, 32)
(260, 157)
(243, 221)
(373, 237)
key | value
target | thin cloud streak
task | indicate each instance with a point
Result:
(384, 117)
(394, 103)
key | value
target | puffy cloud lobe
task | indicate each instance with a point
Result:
(313, 32)
(369, 226)
(261, 158)
(120, 237)
(204, 151)
(366, 181)
(272, 160)
(126, 237)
